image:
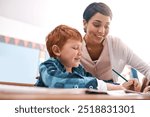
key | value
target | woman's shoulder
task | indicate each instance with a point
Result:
(113, 38)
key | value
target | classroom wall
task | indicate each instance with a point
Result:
(22, 30)
(21, 46)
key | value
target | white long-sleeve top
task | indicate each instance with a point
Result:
(115, 55)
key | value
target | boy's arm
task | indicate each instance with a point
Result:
(114, 87)
(103, 86)
(53, 77)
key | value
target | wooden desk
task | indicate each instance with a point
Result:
(16, 84)
(10, 92)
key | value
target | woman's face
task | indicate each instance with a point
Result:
(97, 27)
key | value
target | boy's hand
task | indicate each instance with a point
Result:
(132, 84)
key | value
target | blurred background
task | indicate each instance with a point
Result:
(24, 24)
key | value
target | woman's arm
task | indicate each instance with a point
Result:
(123, 52)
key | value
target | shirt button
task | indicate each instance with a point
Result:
(75, 86)
(90, 87)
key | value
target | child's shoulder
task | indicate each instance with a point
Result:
(50, 61)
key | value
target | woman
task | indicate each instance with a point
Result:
(104, 53)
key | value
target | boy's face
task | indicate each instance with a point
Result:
(70, 54)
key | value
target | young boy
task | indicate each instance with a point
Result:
(63, 69)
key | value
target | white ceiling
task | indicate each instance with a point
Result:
(44, 13)
(22, 10)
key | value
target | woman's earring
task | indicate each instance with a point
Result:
(84, 29)
(84, 25)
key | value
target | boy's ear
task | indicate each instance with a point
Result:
(56, 50)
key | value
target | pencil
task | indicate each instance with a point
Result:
(120, 75)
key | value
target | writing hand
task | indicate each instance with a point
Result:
(147, 89)
(145, 83)
(132, 84)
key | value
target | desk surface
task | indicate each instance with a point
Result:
(11, 92)
(16, 84)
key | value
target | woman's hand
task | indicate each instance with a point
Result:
(147, 89)
(132, 84)
(145, 83)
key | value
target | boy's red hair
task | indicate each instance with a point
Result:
(59, 37)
